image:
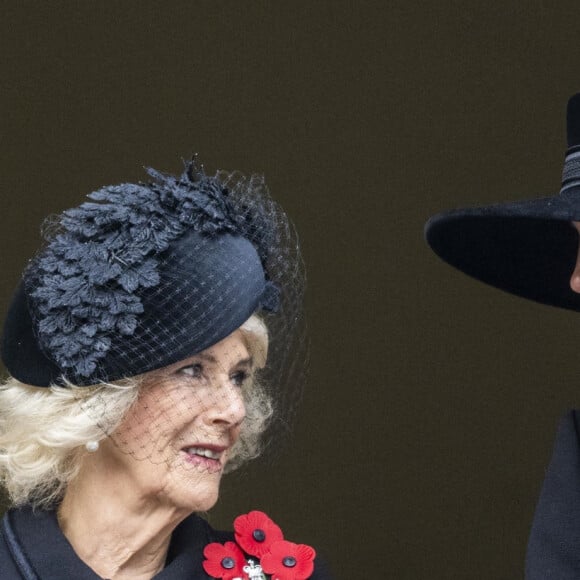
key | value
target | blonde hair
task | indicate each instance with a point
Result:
(43, 431)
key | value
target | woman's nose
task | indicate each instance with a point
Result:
(575, 277)
(228, 406)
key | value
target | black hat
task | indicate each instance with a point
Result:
(527, 248)
(144, 275)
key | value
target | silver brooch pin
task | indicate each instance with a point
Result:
(254, 571)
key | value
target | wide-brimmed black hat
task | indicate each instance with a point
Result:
(527, 248)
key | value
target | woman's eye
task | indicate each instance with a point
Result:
(195, 371)
(239, 378)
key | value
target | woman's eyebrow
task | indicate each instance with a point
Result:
(246, 362)
(204, 356)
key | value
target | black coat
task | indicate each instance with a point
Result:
(554, 544)
(32, 547)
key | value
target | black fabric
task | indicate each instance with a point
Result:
(18, 556)
(554, 544)
(527, 248)
(20, 350)
(210, 287)
(145, 274)
(572, 121)
(528, 256)
(51, 557)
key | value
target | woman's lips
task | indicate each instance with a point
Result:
(207, 457)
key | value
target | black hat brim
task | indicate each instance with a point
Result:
(526, 248)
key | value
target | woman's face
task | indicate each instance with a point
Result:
(575, 277)
(174, 442)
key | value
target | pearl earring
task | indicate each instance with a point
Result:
(92, 446)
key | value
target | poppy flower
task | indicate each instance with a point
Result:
(225, 561)
(288, 561)
(255, 532)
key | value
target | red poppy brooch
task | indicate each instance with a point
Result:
(260, 552)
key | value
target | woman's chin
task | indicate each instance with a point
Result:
(197, 496)
(201, 503)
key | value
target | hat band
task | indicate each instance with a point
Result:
(571, 171)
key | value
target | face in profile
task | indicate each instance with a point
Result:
(575, 277)
(174, 442)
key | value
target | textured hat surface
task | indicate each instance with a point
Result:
(527, 248)
(144, 275)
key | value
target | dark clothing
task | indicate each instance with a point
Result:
(32, 547)
(554, 545)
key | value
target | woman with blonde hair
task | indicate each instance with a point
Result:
(150, 345)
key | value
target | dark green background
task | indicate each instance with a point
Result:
(432, 400)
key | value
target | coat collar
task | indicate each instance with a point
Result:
(53, 558)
